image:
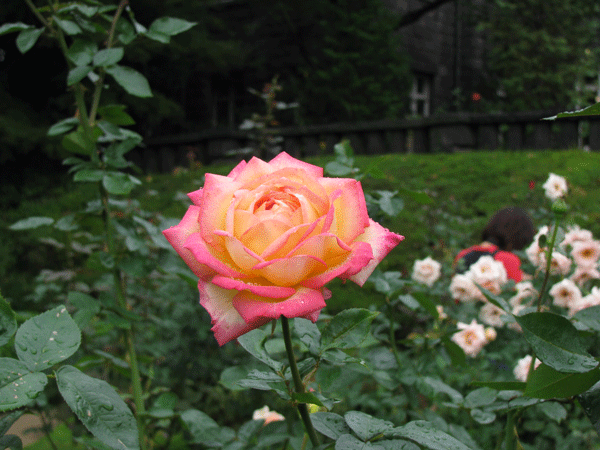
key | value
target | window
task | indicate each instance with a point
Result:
(420, 95)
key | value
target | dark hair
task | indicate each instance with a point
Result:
(510, 229)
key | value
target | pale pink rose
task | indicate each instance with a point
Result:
(265, 240)
(560, 264)
(575, 234)
(471, 337)
(426, 271)
(584, 274)
(267, 415)
(441, 314)
(565, 293)
(525, 291)
(592, 299)
(555, 186)
(521, 370)
(534, 250)
(463, 289)
(586, 253)
(490, 314)
(488, 273)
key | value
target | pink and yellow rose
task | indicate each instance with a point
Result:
(265, 240)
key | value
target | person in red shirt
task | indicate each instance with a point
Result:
(509, 229)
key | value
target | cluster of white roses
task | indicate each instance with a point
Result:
(576, 258)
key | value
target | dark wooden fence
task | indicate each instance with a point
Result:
(453, 132)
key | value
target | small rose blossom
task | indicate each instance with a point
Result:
(491, 334)
(521, 370)
(267, 415)
(441, 314)
(487, 268)
(491, 315)
(565, 293)
(525, 290)
(586, 253)
(471, 337)
(265, 239)
(576, 234)
(592, 299)
(555, 186)
(560, 264)
(426, 271)
(463, 289)
(584, 274)
(534, 250)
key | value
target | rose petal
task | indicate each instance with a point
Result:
(284, 160)
(351, 216)
(237, 169)
(218, 194)
(382, 241)
(289, 271)
(196, 197)
(344, 267)
(254, 286)
(227, 322)
(202, 255)
(178, 235)
(254, 309)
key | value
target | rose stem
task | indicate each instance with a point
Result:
(302, 408)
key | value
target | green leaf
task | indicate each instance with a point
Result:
(590, 402)
(205, 430)
(27, 38)
(18, 386)
(11, 442)
(438, 385)
(545, 382)
(422, 198)
(87, 307)
(457, 354)
(501, 385)
(556, 342)
(163, 28)
(306, 397)
(553, 410)
(592, 110)
(496, 300)
(63, 126)
(337, 169)
(118, 183)
(366, 426)
(88, 175)
(480, 397)
(330, 424)
(424, 434)
(76, 142)
(12, 27)
(66, 223)
(81, 52)
(69, 27)
(108, 57)
(7, 421)
(590, 317)
(116, 115)
(31, 222)
(347, 329)
(254, 343)
(99, 407)
(426, 303)
(131, 80)
(47, 339)
(8, 322)
(77, 74)
(309, 334)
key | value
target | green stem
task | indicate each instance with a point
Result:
(302, 408)
(136, 383)
(548, 265)
(510, 438)
(100, 82)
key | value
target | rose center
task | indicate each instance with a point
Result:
(276, 200)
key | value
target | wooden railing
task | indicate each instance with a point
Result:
(448, 133)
